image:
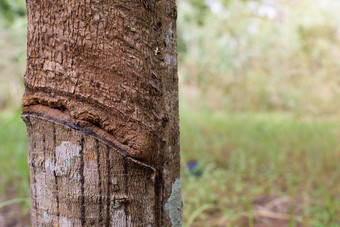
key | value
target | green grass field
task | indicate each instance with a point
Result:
(13, 154)
(247, 161)
(247, 158)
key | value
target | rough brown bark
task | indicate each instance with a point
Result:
(101, 109)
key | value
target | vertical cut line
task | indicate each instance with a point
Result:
(81, 172)
(158, 199)
(126, 212)
(33, 166)
(99, 185)
(108, 186)
(54, 172)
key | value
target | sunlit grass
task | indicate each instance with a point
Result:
(13, 155)
(246, 156)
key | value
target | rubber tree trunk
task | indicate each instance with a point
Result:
(101, 109)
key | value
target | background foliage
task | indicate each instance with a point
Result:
(259, 91)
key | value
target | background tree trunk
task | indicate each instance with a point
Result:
(101, 109)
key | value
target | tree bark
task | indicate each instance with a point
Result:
(101, 110)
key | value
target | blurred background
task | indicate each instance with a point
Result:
(259, 108)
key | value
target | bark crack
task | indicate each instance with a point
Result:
(107, 222)
(54, 173)
(81, 172)
(99, 184)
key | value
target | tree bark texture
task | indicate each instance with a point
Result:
(101, 110)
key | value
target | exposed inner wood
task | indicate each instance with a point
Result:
(79, 180)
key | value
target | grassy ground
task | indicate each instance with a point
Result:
(13, 154)
(260, 165)
(14, 177)
(256, 168)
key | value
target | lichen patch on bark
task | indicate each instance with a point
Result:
(119, 218)
(66, 153)
(174, 204)
(47, 217)
(65, 222)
